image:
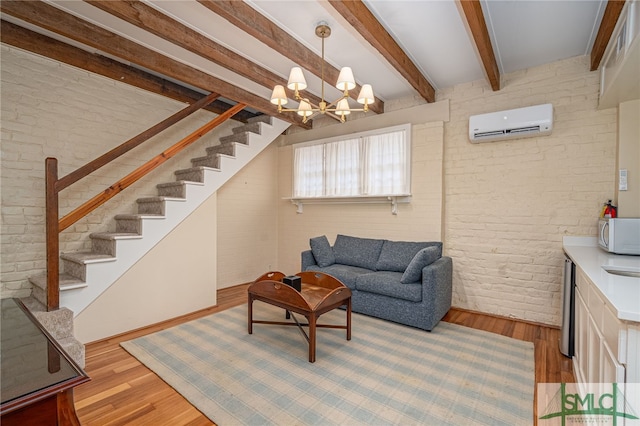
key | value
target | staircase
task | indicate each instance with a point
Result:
(86, 275)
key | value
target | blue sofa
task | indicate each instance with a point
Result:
(401, 281)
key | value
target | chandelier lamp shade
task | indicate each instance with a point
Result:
(337, 109)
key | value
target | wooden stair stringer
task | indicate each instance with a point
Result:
(101, 275)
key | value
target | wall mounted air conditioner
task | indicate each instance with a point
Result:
(511, 124)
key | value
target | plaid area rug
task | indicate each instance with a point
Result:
(387, 373)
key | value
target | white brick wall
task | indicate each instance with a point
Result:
(51, 109)
(508, 204)
(248, 221)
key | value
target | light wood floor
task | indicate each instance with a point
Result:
(124, 392)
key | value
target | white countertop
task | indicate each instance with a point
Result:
(623, 293)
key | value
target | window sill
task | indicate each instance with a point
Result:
(394, 200)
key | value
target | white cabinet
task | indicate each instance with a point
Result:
(601, 354)
(580, 358)
(612, 371)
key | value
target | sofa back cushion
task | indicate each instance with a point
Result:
(424, 257)
(355, 251)
(322, 251)
(396, 255)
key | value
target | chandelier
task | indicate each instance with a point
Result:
(337, 109)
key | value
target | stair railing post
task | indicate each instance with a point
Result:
(52, 234)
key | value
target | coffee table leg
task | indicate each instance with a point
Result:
(349, 319)
(312, 338)
(250, 315)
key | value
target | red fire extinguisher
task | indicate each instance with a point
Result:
(609, 210)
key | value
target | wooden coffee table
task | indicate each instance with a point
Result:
(320, 293)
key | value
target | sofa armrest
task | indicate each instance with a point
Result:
(307, 260)
(437, 281)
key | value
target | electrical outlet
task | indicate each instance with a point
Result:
(622, 182)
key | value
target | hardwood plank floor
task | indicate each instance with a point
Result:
(124, 392)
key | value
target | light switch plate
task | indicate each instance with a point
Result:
(622, 185)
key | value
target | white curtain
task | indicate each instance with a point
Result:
(342, 168)
(308, 169)
(367, 165)
(385, 169)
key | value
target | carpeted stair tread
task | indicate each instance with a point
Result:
(242, 138)
(66, 281)
(212, 160)
(74, 349)
(250, 127)
(33, 304)
(191, 169)
(195, 170)
(204, 157)
(137, 216)
(225, 148)
(115, 235)
(263, 118)
(177, 183)
(59, 324)
(158, 198)
(105, 242)
(84, 257)
(176, 189)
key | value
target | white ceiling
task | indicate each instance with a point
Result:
(524, 33)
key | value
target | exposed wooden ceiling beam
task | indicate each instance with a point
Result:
(607, 25)
(139, 14)
(361, 18)
(69, 26)
(476, 24)
(249, 20)
(39, 44)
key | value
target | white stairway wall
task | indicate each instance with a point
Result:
(175, 278)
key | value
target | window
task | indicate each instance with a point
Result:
(371, 164)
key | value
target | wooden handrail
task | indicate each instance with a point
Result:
(141, 171)
(54, 225)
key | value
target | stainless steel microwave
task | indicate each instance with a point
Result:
(619, 235)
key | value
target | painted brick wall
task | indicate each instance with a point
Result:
(51, 109)
(508, 204)
(248, 221)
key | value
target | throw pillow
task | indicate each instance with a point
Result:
(424, 257)
(357, 251)
(322, 251)
(397, 255)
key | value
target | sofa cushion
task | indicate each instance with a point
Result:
(396, 255)
(424, 257)
(354, 251)
(388, 283)
(346, 274)
(322, 251)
